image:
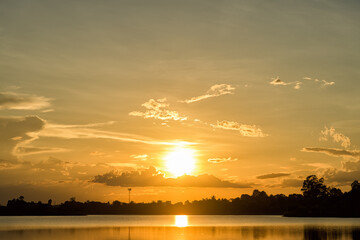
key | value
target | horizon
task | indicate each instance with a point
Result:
(177, 100)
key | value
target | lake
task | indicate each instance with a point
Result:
(181, 227)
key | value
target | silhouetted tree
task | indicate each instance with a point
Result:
(334, 192)
(314, 187)
(355, 186)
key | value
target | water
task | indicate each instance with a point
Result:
(171, 227)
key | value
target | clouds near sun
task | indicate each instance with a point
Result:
(222, 160)
(214, 91)
(152, 177)
(158, 109)
(243, 129)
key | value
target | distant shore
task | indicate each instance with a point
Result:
(317, 200)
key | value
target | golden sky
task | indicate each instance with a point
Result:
(99, 96)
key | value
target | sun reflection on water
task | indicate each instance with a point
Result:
(181, 220)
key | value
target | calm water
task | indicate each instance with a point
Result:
(177, 227)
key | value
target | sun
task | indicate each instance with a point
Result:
(181, 221)
(180, 161)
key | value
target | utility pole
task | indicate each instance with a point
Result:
(129, 189)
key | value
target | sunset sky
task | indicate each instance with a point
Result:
(99, 96)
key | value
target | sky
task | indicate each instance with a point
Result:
(179, 100)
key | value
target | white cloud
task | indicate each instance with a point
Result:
(157, 109)
(278, 81)
(214, 91)
(297, 84)
(337, 137)
(19, 101)
(141, 157)
(245, 130)
(325, 83)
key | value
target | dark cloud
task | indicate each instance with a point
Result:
(15, 131)
(273, 175)
(152, 177)
(294, 183)
(334, 152)
(11, 100)
(350, 171)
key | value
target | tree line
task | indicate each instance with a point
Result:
(316, 200)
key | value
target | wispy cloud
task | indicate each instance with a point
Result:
(29, 150)
(244, 129)
(273, 175)
(88, 131)
(152, 177)
(214, 91)
(157, 109)
(277, 81)
(334, 152)
(19, 101)
(221, 160)
(337, 137)
(318, 165)
(100, 154)
(141, 157)
(323, 83)
(16, 132)
(297, 84)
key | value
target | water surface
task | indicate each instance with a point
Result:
(170, 227)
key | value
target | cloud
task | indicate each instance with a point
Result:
(342, 177)
(214, 91)
(297, 84)
(291, 182)
(16, 132)
(28, 150)
(221, 160)
(245, 130)
(152, 178)
(278, 81)
(88, 131)
(19, 101)
(273, 175)
(100, 154)
(351, 165)
(334, 152)
(325, 83)
(337, 137)
(318, 165)
(54, 165)
(141, 157)
(157, 109)
(349, 172)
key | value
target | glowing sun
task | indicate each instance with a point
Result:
(180, 161)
